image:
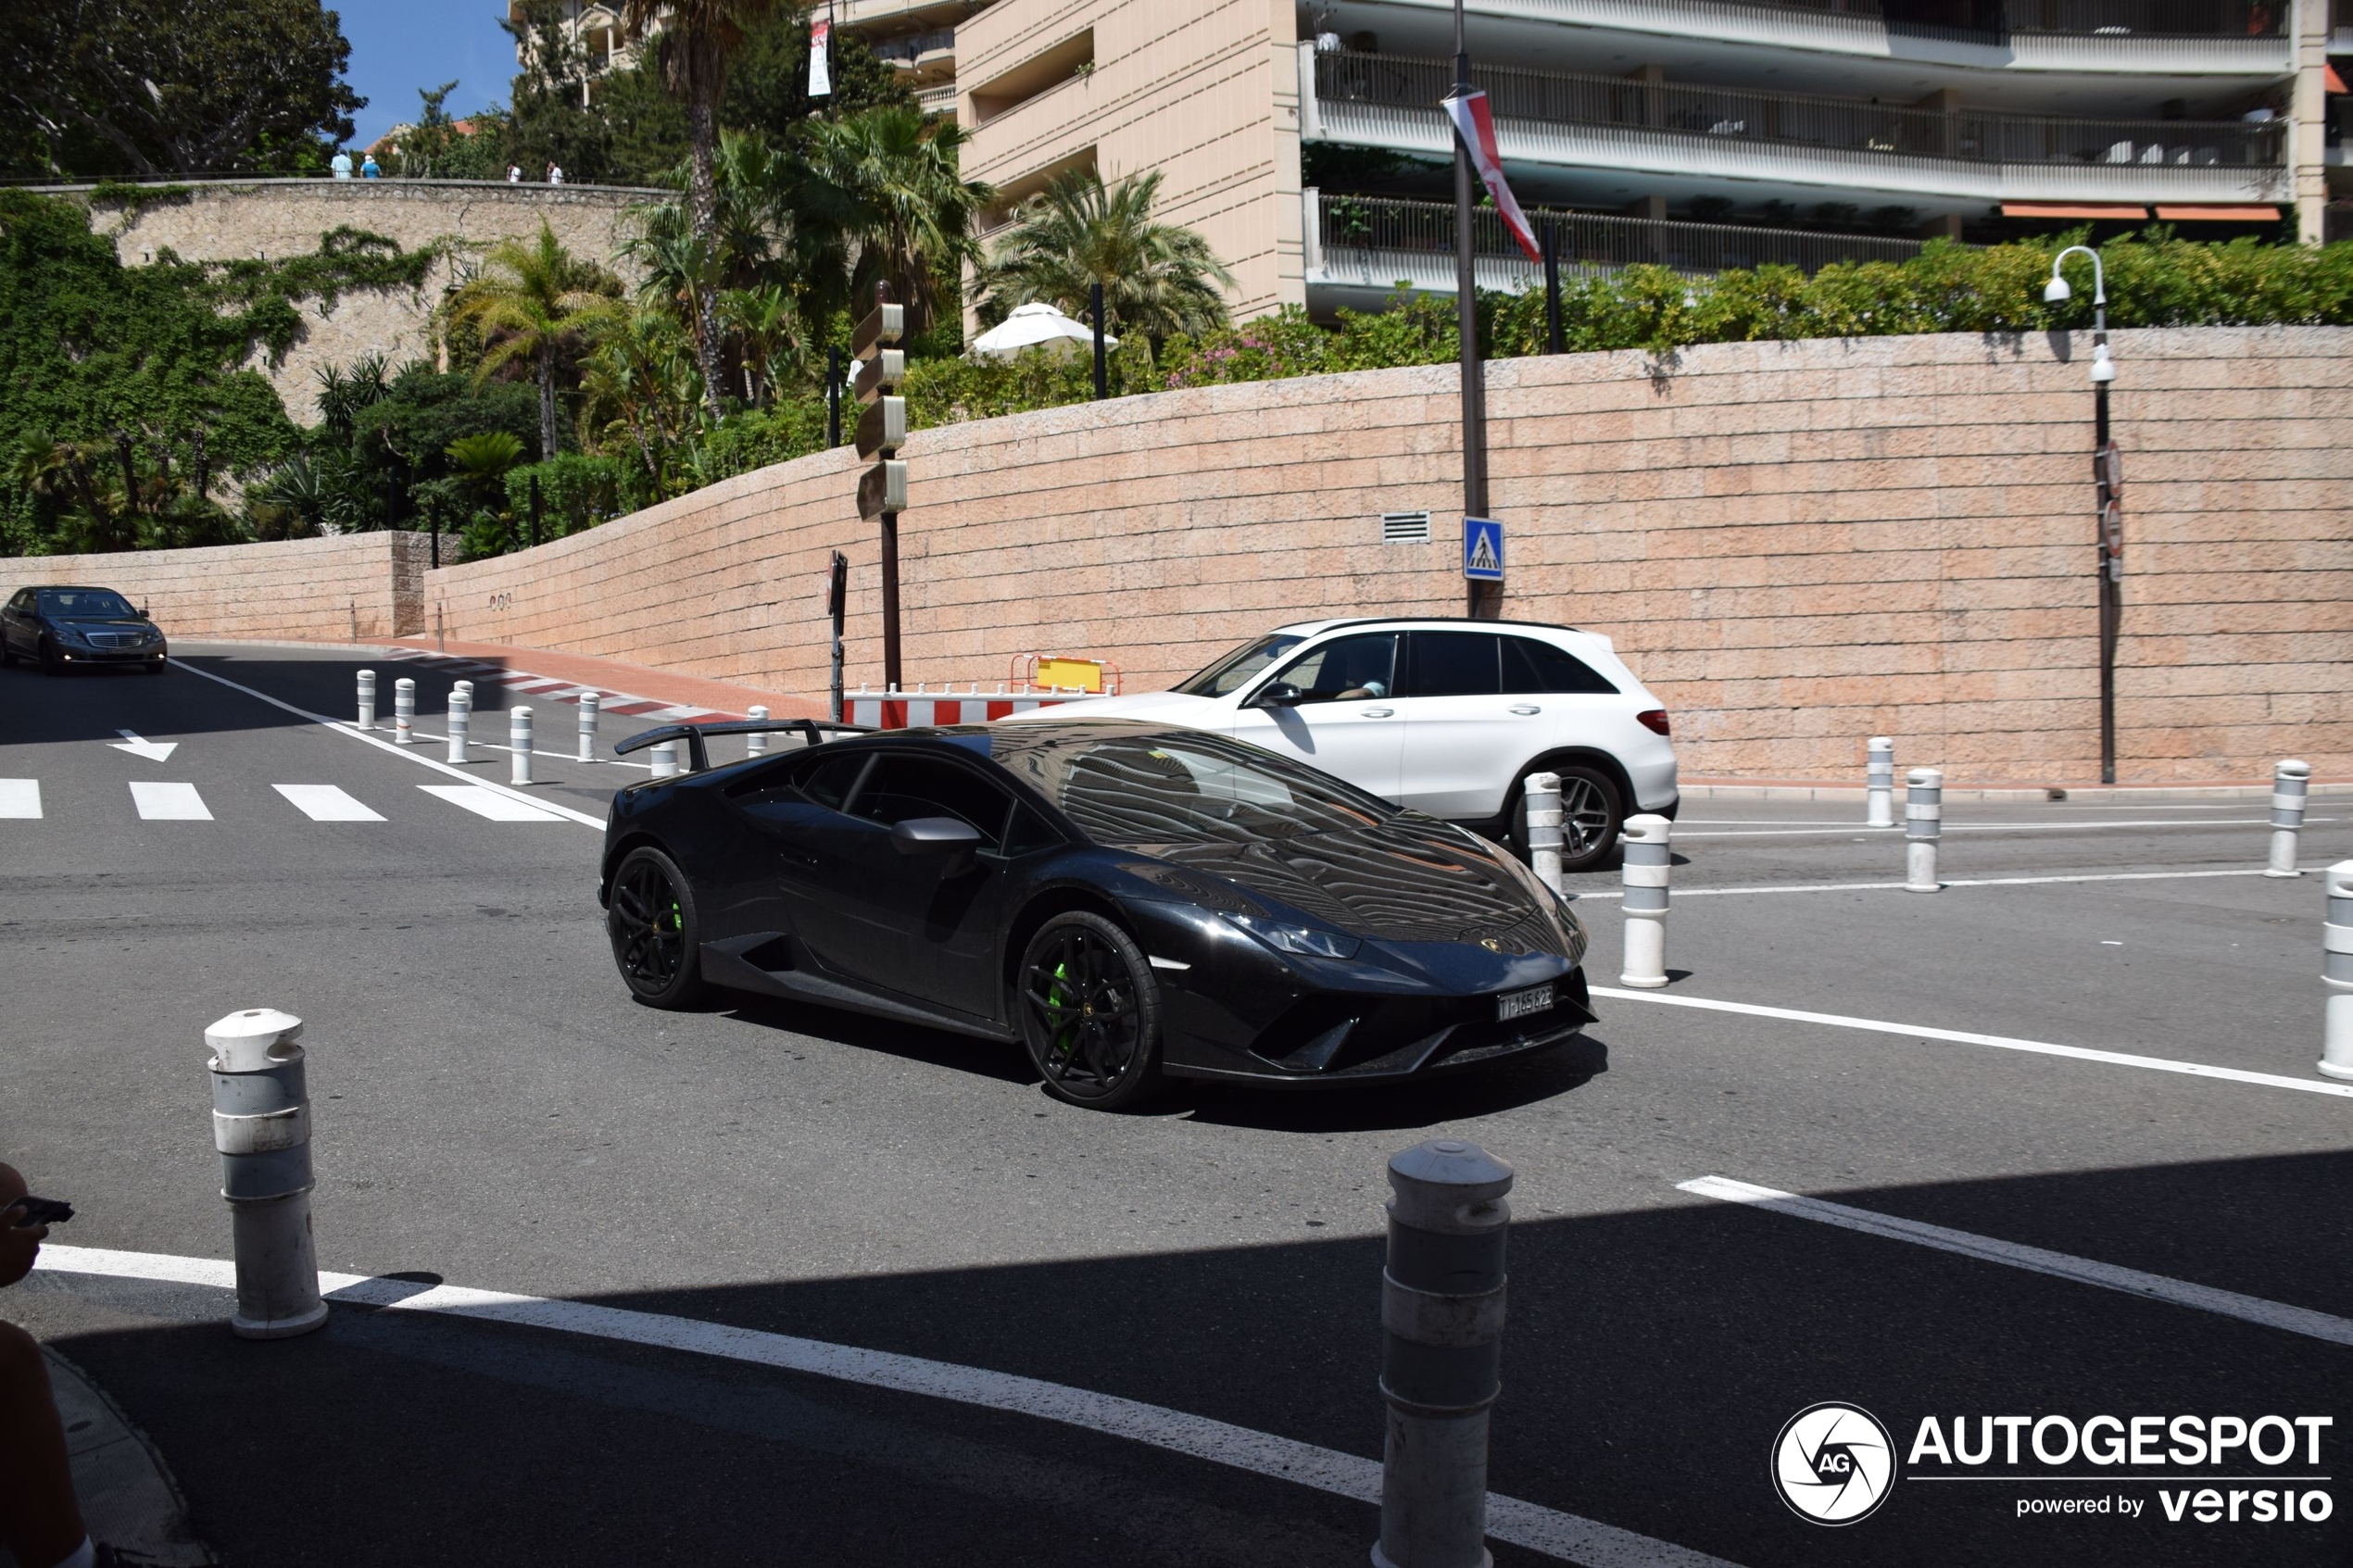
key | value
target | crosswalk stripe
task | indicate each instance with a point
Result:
(168, 802)
(490, 803)
(326, 803)
(19, 798)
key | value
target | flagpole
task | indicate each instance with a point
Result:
(1482, 602)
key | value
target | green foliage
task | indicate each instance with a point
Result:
(576, 492)
(1157, 278)
(150, 88)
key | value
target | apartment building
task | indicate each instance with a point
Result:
(1304, 141)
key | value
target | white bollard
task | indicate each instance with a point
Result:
(589, 703)
(367, 699)
(756, 744)
(519, 743)
(666, 759)
(1646, 840)
(461, 714)
(2337, 968)
(1924, 823)
(2290, 782)
(1544, 829)
(404, 711)
(262, 1127)
(1880, 777)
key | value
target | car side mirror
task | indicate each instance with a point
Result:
(946, 839)
(1280, 694)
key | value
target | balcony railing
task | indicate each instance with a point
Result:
(1381, 240)
(914, 46)
(1992, 20)
(1727, 114)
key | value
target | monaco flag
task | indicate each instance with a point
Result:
(1476, 126)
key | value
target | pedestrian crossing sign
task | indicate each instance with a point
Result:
(1482, 549)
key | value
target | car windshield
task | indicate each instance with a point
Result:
(85, 603)
(1188, 787)
(1240, 667)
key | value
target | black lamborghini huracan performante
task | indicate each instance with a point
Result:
(1126, 900)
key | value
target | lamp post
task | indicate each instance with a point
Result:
(1483, 598)
(2108, 477)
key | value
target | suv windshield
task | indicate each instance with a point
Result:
(1240, 667)
(86, 604)
(1184, 788)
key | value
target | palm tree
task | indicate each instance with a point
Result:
(697, 36)
(533, 302)
(900, 210)
(1158, 278)
(766, 325)
(642, 380)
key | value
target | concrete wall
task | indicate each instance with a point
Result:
(1797, 544)
(237, 220)
(308, 590)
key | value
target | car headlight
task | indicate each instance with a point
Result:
(1303, 939)
(69, 634)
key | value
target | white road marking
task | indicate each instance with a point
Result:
(1959, 882)
(409, 752)
(20, 797)
(1564, 1535)
(1999, 1042)
(168, 802)
(2061, 1265)
(491, 803)
(153, 750)
(326, 803)
(1951, 826)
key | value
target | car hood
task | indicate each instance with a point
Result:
(97, 622)
(1406, 881)
(1166, 708)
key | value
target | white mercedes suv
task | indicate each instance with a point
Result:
(1447, 716)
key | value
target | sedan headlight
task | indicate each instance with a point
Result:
(1303, 939)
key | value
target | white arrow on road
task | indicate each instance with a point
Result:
(153, 750)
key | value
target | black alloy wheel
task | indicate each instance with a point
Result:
(1590, 815)
(50, 663)
(1089, 1012)
(8, 653)
(650, 917)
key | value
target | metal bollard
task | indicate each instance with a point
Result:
(1880, 776)
(1545, 828)
(1441, 1312)
(404, 711)
(756, 744)
(262, 1125)
(367, 699)
(1647, 841)
(2290, 781)
(460, 721)
(1923, 822)
(2337, 968)
(589, 702)
(666, 759)
(519, 743)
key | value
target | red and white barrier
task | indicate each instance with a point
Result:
(895, 709)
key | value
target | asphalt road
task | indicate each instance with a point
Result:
(492, 1110)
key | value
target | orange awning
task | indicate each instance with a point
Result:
(2334, 82)
(2072, 210)
(2218, 214)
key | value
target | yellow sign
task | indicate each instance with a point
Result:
(1084, 675)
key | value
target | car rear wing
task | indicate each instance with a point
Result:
(811, 731)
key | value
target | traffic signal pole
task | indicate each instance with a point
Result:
(1483, 600)
(882, 429)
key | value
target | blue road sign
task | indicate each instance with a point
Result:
(1482, 549)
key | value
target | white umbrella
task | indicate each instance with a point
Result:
(1032, 326)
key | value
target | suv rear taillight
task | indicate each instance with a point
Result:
(1655, 721)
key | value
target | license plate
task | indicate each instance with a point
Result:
(1520, 1004)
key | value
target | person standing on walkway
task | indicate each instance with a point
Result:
(555, 175)
(40, 1521)
(341, 164)
(367, 170)
(514, 174)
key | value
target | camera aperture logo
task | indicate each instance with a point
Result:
(1834, 1463)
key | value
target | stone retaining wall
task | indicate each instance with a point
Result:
(308, 590)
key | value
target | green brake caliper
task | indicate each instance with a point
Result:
(1058, 995)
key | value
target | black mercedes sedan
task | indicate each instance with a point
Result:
(73, 628)
(1126, 900)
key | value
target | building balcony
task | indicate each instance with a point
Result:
(927, 56)
(2169, 37)
(1565, 130)
(1360, 248)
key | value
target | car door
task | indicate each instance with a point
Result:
(1465, 736)
(12, 620)
(1346, 719)
(900, 924)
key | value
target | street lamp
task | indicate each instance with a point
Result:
(2108, 476)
